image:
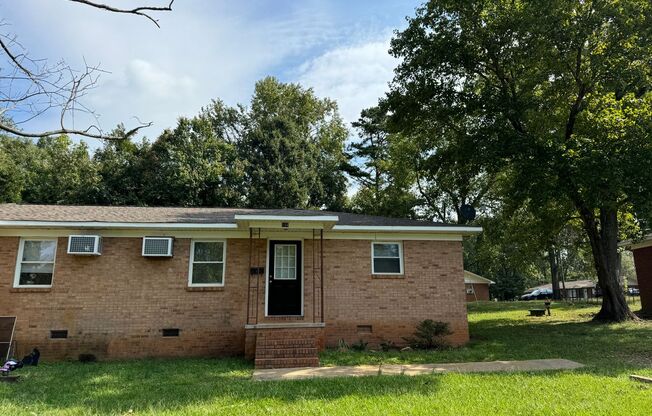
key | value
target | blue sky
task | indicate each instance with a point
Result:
(214, 49)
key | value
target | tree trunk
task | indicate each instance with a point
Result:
(553, 260)
(604, 246)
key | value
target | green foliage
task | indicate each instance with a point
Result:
(11, 179)
(500, 331)
(361, 345)
(293, 148)
(192, 166)
(387, 345)
(383, 176)
(52, 171)
(430, 335)
(286, 150)
(555, 97)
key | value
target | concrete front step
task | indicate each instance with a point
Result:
(266, 363)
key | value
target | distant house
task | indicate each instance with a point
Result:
(573, 289)
(477, 287)
(276, 285)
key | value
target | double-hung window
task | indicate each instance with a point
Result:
(386, 258)
(207, 261)
(35, 265)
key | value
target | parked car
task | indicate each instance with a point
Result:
(538, 294)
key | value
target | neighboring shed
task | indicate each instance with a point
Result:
(643, 262)
(477, 287)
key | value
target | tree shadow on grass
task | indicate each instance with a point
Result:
(607, 348)
(159, 385)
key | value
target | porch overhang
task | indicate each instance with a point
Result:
(286, 222)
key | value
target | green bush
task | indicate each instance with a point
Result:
(430, 335)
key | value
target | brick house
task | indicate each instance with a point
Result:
(643, 263)
(274, 285)
(477, 287)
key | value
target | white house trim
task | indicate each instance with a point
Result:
(118, 225)
(262, 217)
(410, 228)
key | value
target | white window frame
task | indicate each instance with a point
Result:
(400, 257)
(192, 261)
(19, 261)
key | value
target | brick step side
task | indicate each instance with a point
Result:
(286, 352)
(285, 343)
(286, 362)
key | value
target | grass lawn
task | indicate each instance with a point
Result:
(499, 331)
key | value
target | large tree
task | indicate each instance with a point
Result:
(292, 143)
(384, 179)
(560, 91)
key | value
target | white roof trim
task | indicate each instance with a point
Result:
(412, 228)
(470, 277)
(633, 245)
(262, 217)
(122, 225)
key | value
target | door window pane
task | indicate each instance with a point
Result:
(285, 261)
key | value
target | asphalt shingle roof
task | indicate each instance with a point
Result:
(79, 213)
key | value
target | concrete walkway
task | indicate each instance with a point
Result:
(413, 369)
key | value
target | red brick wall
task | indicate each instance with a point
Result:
(115, 305)
(432, 288)
(643, 262)
(481, 292)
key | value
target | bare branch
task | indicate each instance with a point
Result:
(30, 88)
(85, 133)
(140, 11)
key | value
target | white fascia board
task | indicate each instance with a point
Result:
(116, 225)
(636, 244)
(410, 228)
(321, 218)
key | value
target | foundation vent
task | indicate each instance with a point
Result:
(170, 332)
(59, 333)
(365, 329)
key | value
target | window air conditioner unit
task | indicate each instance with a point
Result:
(85, 245)
(157, 246)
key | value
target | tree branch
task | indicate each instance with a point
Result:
(140, 11)
(86, 133)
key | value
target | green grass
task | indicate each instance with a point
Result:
(499, 331)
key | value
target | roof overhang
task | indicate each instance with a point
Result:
(636, 244)
(286, 222)
(471, 278)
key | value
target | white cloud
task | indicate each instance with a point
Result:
(356, 76)
(211, 49)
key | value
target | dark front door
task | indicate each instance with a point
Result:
(284, 279)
